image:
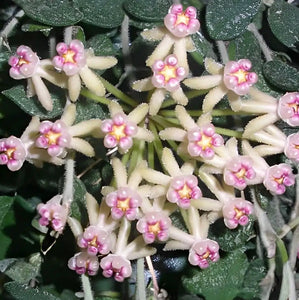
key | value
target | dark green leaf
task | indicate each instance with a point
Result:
(5, 263)
(4, 56)
(78, 206)
(5, 239)
(24, 292)
(228, 19)
(251, 286)
(101, 45)
(78, 33)
(228, 239)
(224, 277)
(32, 106)
(148, 10)
(37, 27)
(53, 13)
(22, 271)
(282, 75)
(102, 13)
(5, 204)
(283, 20)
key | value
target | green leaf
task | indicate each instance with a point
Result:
(228, 19)
(5, 263)
(283, 20)
(251, 286)
(229, 239)
(224, 277)
(37, 27)
(101, 45)
(5, 205)
(53, 13)
(102, 13)
(281, 75)
(32, 106)
(24, 292)
(22, 271)
(148, 10)
(78, 206)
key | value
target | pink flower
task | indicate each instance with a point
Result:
(54, 137)
(12, 153)
(203, 252)
(237, 78)
(167, 74)
(183, 189)
(53, 214)
(117, 266)
(181, 23)
(71, 58)
(95, 240)
(278, 177)
(238, 172)
(154, 225)
(236, 211)
(288, 108)
(202, 140)
(123, 202)
(119, 132)
(24, 64)
(82, 263)
(291, 149)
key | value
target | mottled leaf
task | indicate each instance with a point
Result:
(5, 204)
(101, 45)
(78, 206)
(37, 27)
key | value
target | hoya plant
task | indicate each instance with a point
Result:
(149, 149)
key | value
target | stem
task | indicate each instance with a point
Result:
(228, 132)
(89, 167)
(69, 180)
(118, 93)
(88, 94)
(122, 238)
(223, 52)
(140, 282)
(282, 249)
(68, 34)
(9, 28)
(157, 142)
(154, 278)
(86, 287)
(265, 49)
(151, 155)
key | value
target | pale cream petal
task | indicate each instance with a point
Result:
(59, 79)
(154, 34)
(204, 226)
(266, 150)
(235, 101)
(120, 173)
(156, 101)
(69, 115)
(30, 90)
(92, 81)
(134, 179)
(155, 177)
(107, 190)
(186, 121)
(161, 50)
(144, 190)
(257, 107)
(180, 51)
(74, 86)
(144, 134)
(158, 191)
(207, 204)
(204, 119)
(137, 249)
(179, 96)
(266, 138)
(232, 147)
(176, 245)
(261, 96)
(180, 235)
(259, 123)
(92, 209)
(189, 44)
(82, 146)
(42, 93)
(275, 131)
(146, 205)
(188, 168)
(173, 133)
(203, 82)
(138, 113)
(213, 67)
(213, 97)
(101, 62)
(31, 131)
(143, 85)
(85, 127)
(75, 226)
(115, 108)
(170, 164)
(214, 216)
(194, 221)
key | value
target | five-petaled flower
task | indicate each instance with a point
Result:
(83, 263)
(288, 108)
(291, 148)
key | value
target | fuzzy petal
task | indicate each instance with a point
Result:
(69, 115)
(92, 81)
(101, 62)
(143, 85)
(181, 53)
(213, 67)
(154, 34)
(139, 113)
(120, 173)
(156, 101)
(203, 82)
(261, 96)
(155, 177)
(82, 147)
(42, 93)
(170, 163)
(184, 118)
(144, 134)
(213, 97)
(173, 133)
(207, 204)
(92, 209)
(74, 86)
(188, 168)
(85, 127)
(179, 96)
(115, 108)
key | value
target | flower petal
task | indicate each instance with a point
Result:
(143, 85)
(74, 86)
(170, 163)
(179, 96)
(213, 97)
(82, 146)
(184, 118)
(173, 133)
(42, 93)
(120, 173)
(101, 62)
(156, 101)
(92, 81)
(138, 113)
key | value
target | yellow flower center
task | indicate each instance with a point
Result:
(155, 229)
(185, 192)
(123, 204)
(22, 61)
(52, 137)
(241, 75)
(239, 213)
(118, 131)
(279, 180)
(182, 19)
(205, 142)
(168, 72)
(295, 107)
(241, 173)
(69, 56)
(9, 152)
(93, 242)
(206, 255)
